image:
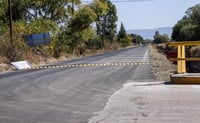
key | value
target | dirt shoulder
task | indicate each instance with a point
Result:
(160, 65)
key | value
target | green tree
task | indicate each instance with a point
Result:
(57, 10)
(79, 29)
(106, 21)
(156, 34)
(137, 39)
(19, 9)
(100, 7)
(110, 20)
(41, 25)
(122, 32)
(3, 16)
(193, 27)
(161, 39)
(184, 30)
(194, 14)
(188, 27)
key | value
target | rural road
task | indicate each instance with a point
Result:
(116, 87)
(70, 95)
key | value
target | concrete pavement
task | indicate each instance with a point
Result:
(152, 102)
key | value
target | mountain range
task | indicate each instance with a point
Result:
(149, 33)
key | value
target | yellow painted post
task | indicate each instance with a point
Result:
(179, 59)
(183, 63)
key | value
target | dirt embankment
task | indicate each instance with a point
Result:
(160, 65)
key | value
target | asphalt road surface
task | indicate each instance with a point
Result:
(69, 95)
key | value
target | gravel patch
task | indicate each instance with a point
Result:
(161, 66)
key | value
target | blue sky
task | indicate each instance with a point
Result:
(149, 14)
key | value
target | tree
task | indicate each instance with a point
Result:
(194, 14)
(122, 32)
(19, 9)
(137, 39)
(156, 34)
(3, 16)
(100, 7)
(111, 19)
(184, 30)
(161, 39)
(106, 21)
(188, 27)
(193, 27)
(79, 29)
(57, 10)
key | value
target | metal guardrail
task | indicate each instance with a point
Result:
(181, 58)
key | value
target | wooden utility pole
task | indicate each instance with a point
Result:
(10, 21)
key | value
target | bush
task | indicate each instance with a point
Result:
(18, 48)
(125, 42)
(161, 39)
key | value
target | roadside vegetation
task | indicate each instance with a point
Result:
(186, 29)
(76, 29)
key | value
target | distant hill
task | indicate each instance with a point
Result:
(149, 33)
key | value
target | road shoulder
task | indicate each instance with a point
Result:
(152, 102)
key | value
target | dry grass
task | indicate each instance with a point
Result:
(160, 65)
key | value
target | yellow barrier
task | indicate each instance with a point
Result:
(181, 60)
